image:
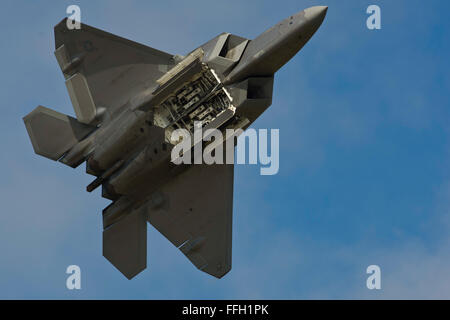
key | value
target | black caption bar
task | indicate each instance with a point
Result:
(219, 309)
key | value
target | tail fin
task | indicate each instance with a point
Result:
(52, 133)
(125, 241)
(81, 98)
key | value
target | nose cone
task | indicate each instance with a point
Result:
(315, 15)
(307, 22)
(276, 46)
(299, 28)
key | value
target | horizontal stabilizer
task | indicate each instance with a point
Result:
(53, 133)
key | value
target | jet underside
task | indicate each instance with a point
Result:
(129, 98)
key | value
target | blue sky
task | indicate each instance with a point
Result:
(364, 158)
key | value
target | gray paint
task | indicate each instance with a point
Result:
(128, 98)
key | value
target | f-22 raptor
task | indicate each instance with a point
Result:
(129, 98)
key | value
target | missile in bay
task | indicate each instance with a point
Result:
(129, 98)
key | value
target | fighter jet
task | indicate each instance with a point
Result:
(129, 98)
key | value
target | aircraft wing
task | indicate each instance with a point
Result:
(196, 216)
(103, 71)
(194, 211)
